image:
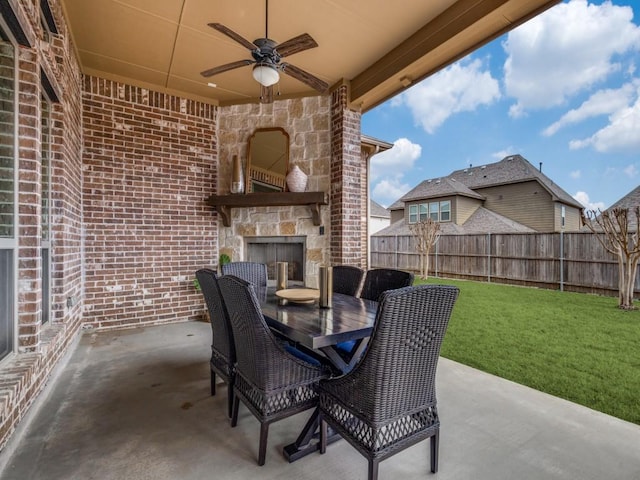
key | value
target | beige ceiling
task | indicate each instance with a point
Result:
(377, 47)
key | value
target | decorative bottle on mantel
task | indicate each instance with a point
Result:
(237, 178)
(296, 180)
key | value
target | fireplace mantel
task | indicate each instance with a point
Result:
(224, 203)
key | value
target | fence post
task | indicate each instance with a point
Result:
(488, 257)
(436, 256)
(561, 260)
(396, 256)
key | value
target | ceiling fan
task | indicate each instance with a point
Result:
(267, 55)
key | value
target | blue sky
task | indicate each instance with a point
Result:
(562, 89)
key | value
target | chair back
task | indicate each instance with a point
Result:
(380, 280)
(223, 348)
(257, 350)
(347, 279)
(397, 373)
(252, 272)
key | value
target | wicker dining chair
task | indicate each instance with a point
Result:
(376, 281)
(380, 280)
(223, 351)
(388, 401)
(271, 382)
(347, 279)
(252, 272)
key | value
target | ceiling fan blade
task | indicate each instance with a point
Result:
(233, 35)
(305, 77)
(226, 67)
(266, 94)
(296, 44)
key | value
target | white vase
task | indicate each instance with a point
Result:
(296, 180)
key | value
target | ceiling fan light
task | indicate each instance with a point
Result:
(265, 75)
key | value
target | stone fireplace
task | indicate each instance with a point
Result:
(271, 250)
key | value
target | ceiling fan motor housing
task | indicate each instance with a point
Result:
(266, 52)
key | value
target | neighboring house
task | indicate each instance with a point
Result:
(503, 197)
(629, 201)
(379, 217)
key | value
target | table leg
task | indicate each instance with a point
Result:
(309, 439)
(340, 363)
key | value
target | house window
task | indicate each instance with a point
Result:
(445, 211)
(8, 180)
(433, 211)
(436, 211)
(413, 213)
(45, 181)
(423, 212)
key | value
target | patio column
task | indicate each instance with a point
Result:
(346, 182)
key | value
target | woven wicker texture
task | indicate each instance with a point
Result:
(388, 401)
(347, 279)
(252, 272)
(223, 352)
(380, 280)
(271, 382)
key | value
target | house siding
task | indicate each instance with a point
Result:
(572, 219)
(464, 208)
(527, 203)
(397, 215)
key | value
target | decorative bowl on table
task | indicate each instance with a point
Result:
(299, 295)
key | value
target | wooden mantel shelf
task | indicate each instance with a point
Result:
(224, 203)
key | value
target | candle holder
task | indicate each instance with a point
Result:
(326, 286)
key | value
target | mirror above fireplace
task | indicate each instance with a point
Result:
(267, 160)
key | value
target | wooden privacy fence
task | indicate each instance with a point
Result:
(573, 261)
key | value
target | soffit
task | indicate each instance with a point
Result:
(376, 47)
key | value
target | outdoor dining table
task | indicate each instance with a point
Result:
(320, 329)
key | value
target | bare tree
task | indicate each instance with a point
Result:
(427, 233)
(622, 239)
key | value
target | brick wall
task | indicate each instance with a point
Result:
(346, 187)
(24, 375)
(149, 164)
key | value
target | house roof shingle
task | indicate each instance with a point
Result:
(440, 187)
(377, 210)
(511, 169)
(464, 182)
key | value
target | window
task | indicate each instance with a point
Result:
(436, 211)
(413, 213)
(7, 192)
(423, 212)
(45, 181)
(445, 211)
(433, 211)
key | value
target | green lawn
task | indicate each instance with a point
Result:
(575, 346)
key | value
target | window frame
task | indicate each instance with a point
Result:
(10, 243)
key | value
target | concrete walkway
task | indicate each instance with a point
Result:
(135, 404)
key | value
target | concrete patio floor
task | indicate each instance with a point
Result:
(135, 404)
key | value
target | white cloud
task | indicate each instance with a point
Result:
(583, 198)
(630, 171)
(575, 174)
(388, 169)
(504, 153)
(565, 50)
(388, 191)
(461, 87)
(621, 135)
(396, 161)
(603, 102)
